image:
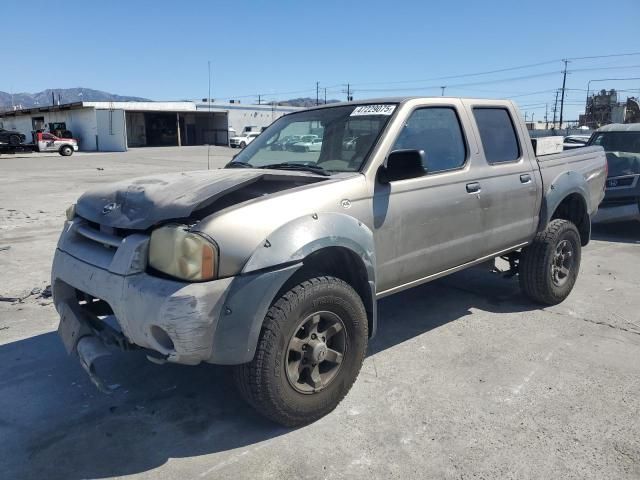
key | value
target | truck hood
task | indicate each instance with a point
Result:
(143, 202)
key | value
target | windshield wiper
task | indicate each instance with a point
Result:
(317, 169)
(233, 164)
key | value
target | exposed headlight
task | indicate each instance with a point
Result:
(186, 255)
(71, 212)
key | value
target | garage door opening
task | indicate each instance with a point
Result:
(165, 129)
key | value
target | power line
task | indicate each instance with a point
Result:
(603, 68)
(605, 56)
(483, 82)
(466, 75)
(462, 75)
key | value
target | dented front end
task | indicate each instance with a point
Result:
(105, 293)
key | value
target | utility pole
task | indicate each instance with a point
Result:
(349, 93)
(325, 95)
(546, 118)
(259, 99)
(555, 108)
(442, 90)
(317, 93)
(564, 82)
(209, 117)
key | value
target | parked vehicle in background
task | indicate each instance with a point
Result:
(304, 139)
(243, 140)
(275, 263)
(48, 142)
(43, 142)
(11, 137)
(621, 143)
(349, 143)
(283, 142)
(309, 145)
(575, 141)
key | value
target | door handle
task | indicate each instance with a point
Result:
(473, 187)
(525, 178)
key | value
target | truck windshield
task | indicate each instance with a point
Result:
(335, 139)
(623, 151)
(618, 141)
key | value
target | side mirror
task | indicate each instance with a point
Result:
(402, 165)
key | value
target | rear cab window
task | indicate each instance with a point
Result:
(497, 134)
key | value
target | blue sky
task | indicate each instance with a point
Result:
(159, 49)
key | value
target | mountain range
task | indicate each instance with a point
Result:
(69, 95)
(64, 95)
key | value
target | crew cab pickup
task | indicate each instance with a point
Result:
(274, 264)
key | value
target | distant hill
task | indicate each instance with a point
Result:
(66, 95)
(70, 95)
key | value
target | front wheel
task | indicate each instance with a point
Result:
(66, 151)
(243, 144)
(14, 140)
(549, 265)
(311, 347)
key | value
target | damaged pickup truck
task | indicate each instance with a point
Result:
(275, 263)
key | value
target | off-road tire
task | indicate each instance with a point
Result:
(535, 270)
(263, 382)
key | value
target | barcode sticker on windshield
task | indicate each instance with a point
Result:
(381, 109)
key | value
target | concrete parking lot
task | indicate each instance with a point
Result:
(465, 379)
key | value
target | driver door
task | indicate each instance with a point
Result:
(428, 224)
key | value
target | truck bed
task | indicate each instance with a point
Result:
(588, 162)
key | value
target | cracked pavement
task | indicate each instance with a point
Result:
(466, 378)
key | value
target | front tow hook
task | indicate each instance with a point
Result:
(89, 349)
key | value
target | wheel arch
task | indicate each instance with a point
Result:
(345, 264)
(325, 243)
(567, 198)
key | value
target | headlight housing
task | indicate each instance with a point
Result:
(71, 212)
(186, 255)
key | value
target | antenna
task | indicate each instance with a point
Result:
(209, 119)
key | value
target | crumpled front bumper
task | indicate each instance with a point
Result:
(175, 319)
(106, 293)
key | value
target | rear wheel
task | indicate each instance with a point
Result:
(14, 140)
(311, 347)
(549, 266)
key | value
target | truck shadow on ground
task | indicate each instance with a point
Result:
(56, 425)
(621, 232)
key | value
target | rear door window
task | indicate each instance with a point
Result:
(498, 135)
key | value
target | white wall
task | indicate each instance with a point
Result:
(81, 122)
(238, 119)
(112, 135)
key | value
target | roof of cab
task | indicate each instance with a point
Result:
(371, 101)
(620, 127)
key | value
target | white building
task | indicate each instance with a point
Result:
(117, 126)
